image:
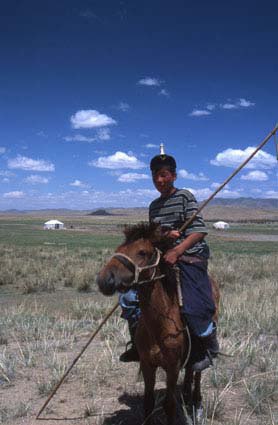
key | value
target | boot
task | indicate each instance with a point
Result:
(211, 349)
(131, 355)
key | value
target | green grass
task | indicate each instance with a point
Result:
(97, 235)
(267, 229)
(242, 247)
(12, 234)
(41, 331)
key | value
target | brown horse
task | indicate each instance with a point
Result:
(160, 337)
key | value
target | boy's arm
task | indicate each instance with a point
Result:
(172, 255)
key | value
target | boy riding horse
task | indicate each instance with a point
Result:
(190, 253)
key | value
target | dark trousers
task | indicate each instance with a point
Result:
(198, 305)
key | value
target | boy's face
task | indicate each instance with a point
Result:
(163, 179)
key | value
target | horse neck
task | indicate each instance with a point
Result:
(158, 301)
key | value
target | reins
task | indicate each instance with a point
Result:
(132, 266)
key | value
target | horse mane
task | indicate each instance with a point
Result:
(142, 230)
(149, 231)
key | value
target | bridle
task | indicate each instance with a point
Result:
(134, 268)
(130, 265)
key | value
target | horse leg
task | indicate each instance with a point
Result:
(148, 372)
(170, 403)
(187, 389)
(197, 397)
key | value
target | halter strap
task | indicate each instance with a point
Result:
(133, 267)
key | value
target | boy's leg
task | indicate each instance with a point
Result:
(199, 308)
(131, 312)
(207, 339)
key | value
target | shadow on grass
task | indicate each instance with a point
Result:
(132, 416)
(135, 414)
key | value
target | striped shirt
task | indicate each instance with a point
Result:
(174, 211)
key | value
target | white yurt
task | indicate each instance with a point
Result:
(221, 225)
(53, 225)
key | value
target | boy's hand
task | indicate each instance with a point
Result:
(171, 256)
(173, 234)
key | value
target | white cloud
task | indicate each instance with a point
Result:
(255, 176)
(151, 145)
(123, 106)
(80, 138)
(2, 150)
(132, 177)
(164, 92)
(90, 119)
(210, 106)
(245, 103)
(5, 180)
(229, 106)
(78, 183)
(13, 195)
(190, 176)
(98, 152)
(29, 164)
(42, 134)
(139, 193)
(241, 103)
(200, 194)
(272, 194)
(89, 15)
(118, 160)
(226, 193)
(149, 81)
(34, 179)
(234, 157)
(216, 185)
(199, 113)
(6, 173)
(103, 134)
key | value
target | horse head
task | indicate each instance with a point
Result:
(134, 262)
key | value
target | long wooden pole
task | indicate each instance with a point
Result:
(76, 359)
(191, 219)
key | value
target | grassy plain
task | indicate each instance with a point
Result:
(50, 305)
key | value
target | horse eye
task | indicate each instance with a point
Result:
(142, 253)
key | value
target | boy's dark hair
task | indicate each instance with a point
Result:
(160, 161)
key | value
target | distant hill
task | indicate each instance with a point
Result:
(232, 210)
(100, 212)
(13, 211)
(260, 203)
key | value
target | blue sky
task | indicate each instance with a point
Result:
(89, 90)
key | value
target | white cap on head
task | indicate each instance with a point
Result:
(162, 149)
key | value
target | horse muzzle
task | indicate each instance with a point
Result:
(109, 282)
(106, 283)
